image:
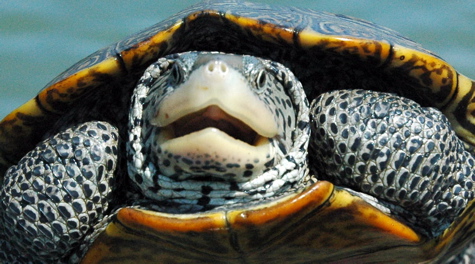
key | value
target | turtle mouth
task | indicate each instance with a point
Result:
(212, 117)
(212, 142)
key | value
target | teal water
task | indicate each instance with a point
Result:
(40, 39)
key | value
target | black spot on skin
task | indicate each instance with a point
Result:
(329, 100)
(29, 215)
(322, 119)
(110, 165)
(105, 137)
(282, 148)
(204, 200)
(232, 165)
(351, 160)
(390, 178)
(101, 126)
(77, 207)
(233, 186)
(302, 124)
(102, 187)
(403, 178)
(356, 144)
(343, 118)
(138, 179)
(414, 182)
(206, 189)
(64, 211)
(269, 163)
(92, 133)
(417, 161)
(187, 161)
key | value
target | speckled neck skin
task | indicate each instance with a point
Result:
(211, 96)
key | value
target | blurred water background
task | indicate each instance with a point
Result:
(40, 39)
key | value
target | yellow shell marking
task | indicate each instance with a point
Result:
(321, 223)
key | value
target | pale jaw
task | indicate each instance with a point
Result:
(211, 144)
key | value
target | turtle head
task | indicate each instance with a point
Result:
(216, 126)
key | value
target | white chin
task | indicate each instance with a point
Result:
(217, 146)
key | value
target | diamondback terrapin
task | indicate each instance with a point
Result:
(236, 132)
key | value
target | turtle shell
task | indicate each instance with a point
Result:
(323, 223)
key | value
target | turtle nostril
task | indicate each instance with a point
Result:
(217, 66)
(211, 67)
(224, 68)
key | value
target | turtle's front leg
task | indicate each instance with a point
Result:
(57, 193)
(393, 149)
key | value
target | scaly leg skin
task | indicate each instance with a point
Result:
(56, 194)
(392, 148)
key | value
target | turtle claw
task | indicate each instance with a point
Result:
(57, 193)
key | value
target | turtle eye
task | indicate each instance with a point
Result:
(261, 80)
(176, 74)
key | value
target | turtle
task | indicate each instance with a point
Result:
(239, 132)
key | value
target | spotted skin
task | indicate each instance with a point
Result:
(192, 184)
(57, 193)
(402, 153)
